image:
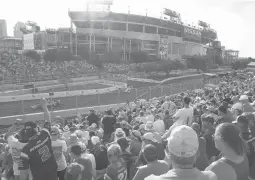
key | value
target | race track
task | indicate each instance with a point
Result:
(17, 108)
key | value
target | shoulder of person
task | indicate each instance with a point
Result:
(209, 175)
(164, 163)
(220, 166)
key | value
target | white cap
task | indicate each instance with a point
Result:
(149, 136)
(183, 141)
(243, 97)
(95, 140)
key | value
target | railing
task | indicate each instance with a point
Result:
(22, 107)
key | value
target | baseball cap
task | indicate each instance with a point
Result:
(150, 152)
(183, 141)
(136, 133)
(119, 133)
(149, 126)
(243, 97)
(30, 125)
(55, 130)
(95, 140)
(123, 143)
(149, 136)
(241, 119)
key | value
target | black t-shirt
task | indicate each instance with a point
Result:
(93, 118)
(38, 156)
(108, 122)
(211, 150)
(101, 158)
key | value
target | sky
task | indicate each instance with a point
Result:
(232, 19)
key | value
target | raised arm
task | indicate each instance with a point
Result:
(47, 116)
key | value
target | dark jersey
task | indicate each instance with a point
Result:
(38, 156)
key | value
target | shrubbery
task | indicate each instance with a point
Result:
(33, 55)
(53, 55)
(241, 64)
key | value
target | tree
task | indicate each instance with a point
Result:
(90, 57)
(139, 57)
(179, 65)
(165, 66)
(197, 62)
(53, 55)
(33, 55)
(111, 57)
(50, 55)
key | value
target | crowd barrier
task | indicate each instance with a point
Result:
(71, 106)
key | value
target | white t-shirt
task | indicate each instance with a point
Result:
(59, 147)
(184, 116)
(159, 126)
(15, 150)
(150, 117)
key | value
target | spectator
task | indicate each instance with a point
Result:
(246, 106)
(202, 160)
(149, 138)
(108, 123)
(234, 163)
(183, 147)
(208, 132)
(117, 168)
(92, 118)
(136, 143)
(154, 166)
(59, 148)
(100, 153)
(37, 154)
(81, 167)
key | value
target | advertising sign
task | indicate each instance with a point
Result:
(192, 33)
(28, 41)
(163, 47)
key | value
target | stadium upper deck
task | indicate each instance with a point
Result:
(100, 31)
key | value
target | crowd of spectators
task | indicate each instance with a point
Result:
(18, 65)
(206, 134)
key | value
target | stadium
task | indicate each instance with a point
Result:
(106, 31)
(103, 31)
(125, 33)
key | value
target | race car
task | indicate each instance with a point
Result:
(51, 104)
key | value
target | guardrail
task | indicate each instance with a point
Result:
(81, 104)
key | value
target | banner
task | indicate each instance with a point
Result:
(28, 41)
(192, 33)
(163, 47)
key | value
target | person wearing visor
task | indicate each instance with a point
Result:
(59, 147)
(37, 154)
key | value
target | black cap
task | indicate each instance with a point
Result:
(30, 125)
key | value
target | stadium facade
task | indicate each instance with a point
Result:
(100, 32)
(104, 31)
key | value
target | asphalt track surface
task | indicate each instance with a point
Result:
(17, 108)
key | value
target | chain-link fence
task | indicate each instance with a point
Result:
(115, 97)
